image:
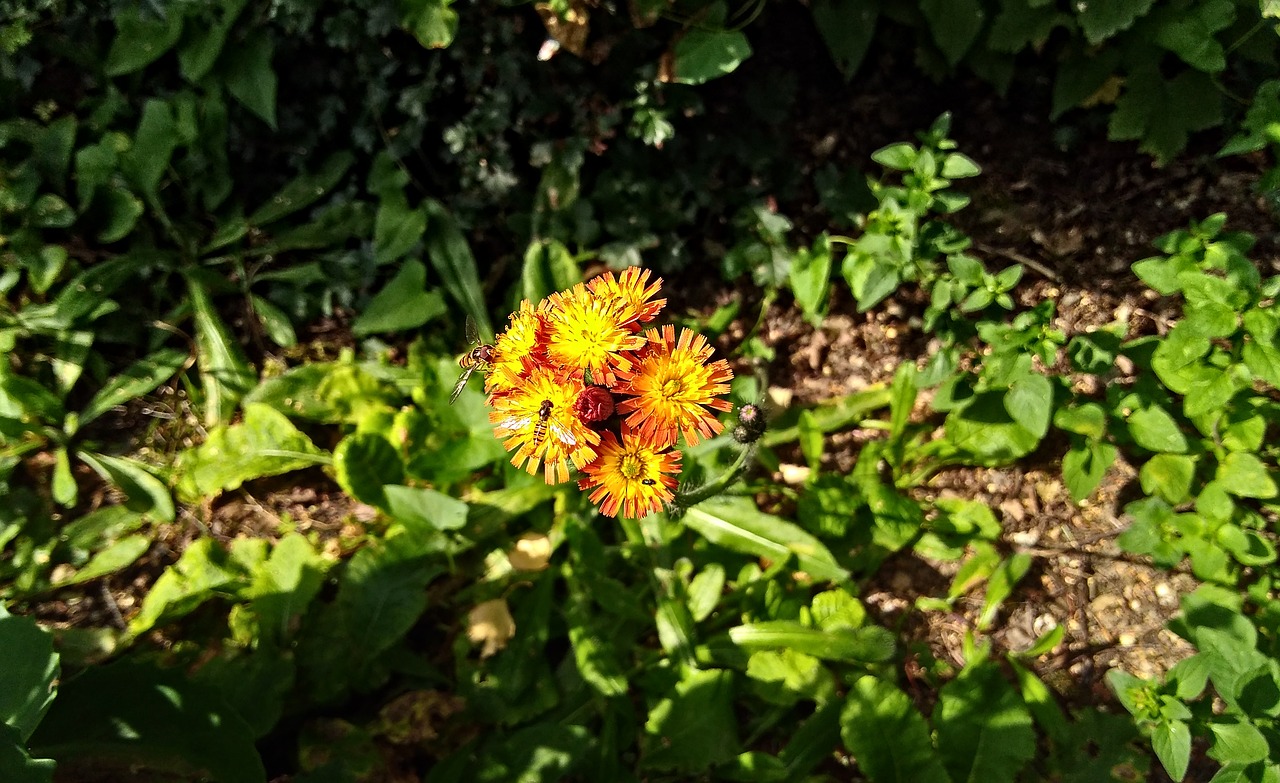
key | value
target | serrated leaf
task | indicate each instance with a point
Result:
(889, 739)
(284, 585)
(1101, 21)
(141, 377)
(403, 304)
(984, 729)
(740, 526)
(225, 373)
(264, 443)
(1190, 34)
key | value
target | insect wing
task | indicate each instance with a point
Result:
(461, 384)
(514, 423)
(473, 331)
(563, 435)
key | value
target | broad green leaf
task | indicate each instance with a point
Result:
(424, 509)
(17, 765)
(50, 211)
(396, 227)
(985, 429)
(142, 36)
(119, 555)
(153, 145)
(204, 570)
(784, 677)
(1162, 112)
(1263, 361)
(1154, 429)
(328, 392)
(888, 738)
(304, 190)
(1244, 475)
(63, 484)
(452, 259)
(364, 462)
(31, 669)
(264, 443)
(740, 526)
(954, 24)
(145, 492)
(1175, 357)
(868, 644)
(694, 726)
(593, 651)
(139, 378)
(1190, 34)
(274, 322)
(432, 22)
(828, 416)
(1211, 391)
(1101, 21)
(847, 27)
(1172, 743)
(250, 78)
(810, 279)
(705, 590)
(1169, 476)
(1030, 402)
(204, 42)
(703, 54)
(1003, 580)
(1237, 741)
(284, 585)
(224, 371)
(148, 716)
(548, 267)
(1085, 465)
(121, 210)
(984, 728)
(403, 304)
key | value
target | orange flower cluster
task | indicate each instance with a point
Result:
(576, 382)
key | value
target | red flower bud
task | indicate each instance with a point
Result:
(594, 404)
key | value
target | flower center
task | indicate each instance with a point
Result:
(672, 387)
(631, 467)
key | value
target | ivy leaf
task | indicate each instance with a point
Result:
(847, 27)
(141, 38)
(887, 736)
(1163, 113)
(1190, 34)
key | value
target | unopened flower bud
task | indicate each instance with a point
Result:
(595, 403)
(751, 424)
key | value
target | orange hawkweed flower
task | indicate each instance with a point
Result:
(538, 421)
(632, 293)
(517, 349)
(631, 476)
(671, 388)
(590, 334)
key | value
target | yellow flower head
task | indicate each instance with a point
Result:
(632, 293)
(589, 333)
(538, 422)
(631, 477)
(669, 387)
(517, 349)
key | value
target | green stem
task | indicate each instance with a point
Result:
(686, 499)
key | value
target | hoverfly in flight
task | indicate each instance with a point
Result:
(478, 357)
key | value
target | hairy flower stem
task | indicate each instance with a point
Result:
(684, 500)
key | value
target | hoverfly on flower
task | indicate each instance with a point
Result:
(478, 358)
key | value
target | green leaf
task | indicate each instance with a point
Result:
(133, 712)
(1172, 743)
(141, 377)
(424, 509)
(1177, 356)
(31, 669)
(1212, 391)
(811, 440)
(593, 651)
(141, 38)
(397, 227)
(116, 557)
(203, 570)
(153, 144)
(984, 729)
(1085, 465)
(1163, 113)
(1003, 580)
(810, 279)
(705, 590)
(121, 210)
(274, 322)
(432, 22)
(740, 526)
(1244, 475)
(403, 304)
(868, 644)
(694, 725)
(264, 443)
(448, 252)
(50, 211)
(703, 54)
(1190, 34)
(145, 492)
(900, 156)
(847, 27)
(954, 24)
(1169, 476)
(283, 587)
(329, 392)
(1101, 21)
(1237, 742)
(985, 429)
(304, 190)
(224, 371)
(1030, 403)
(363, 463)
(250, 78)
(1154, 429)
(63, 485)
(17, 765)
(888, 738)
(205, 42)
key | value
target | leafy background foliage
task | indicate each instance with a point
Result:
(240, 238)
